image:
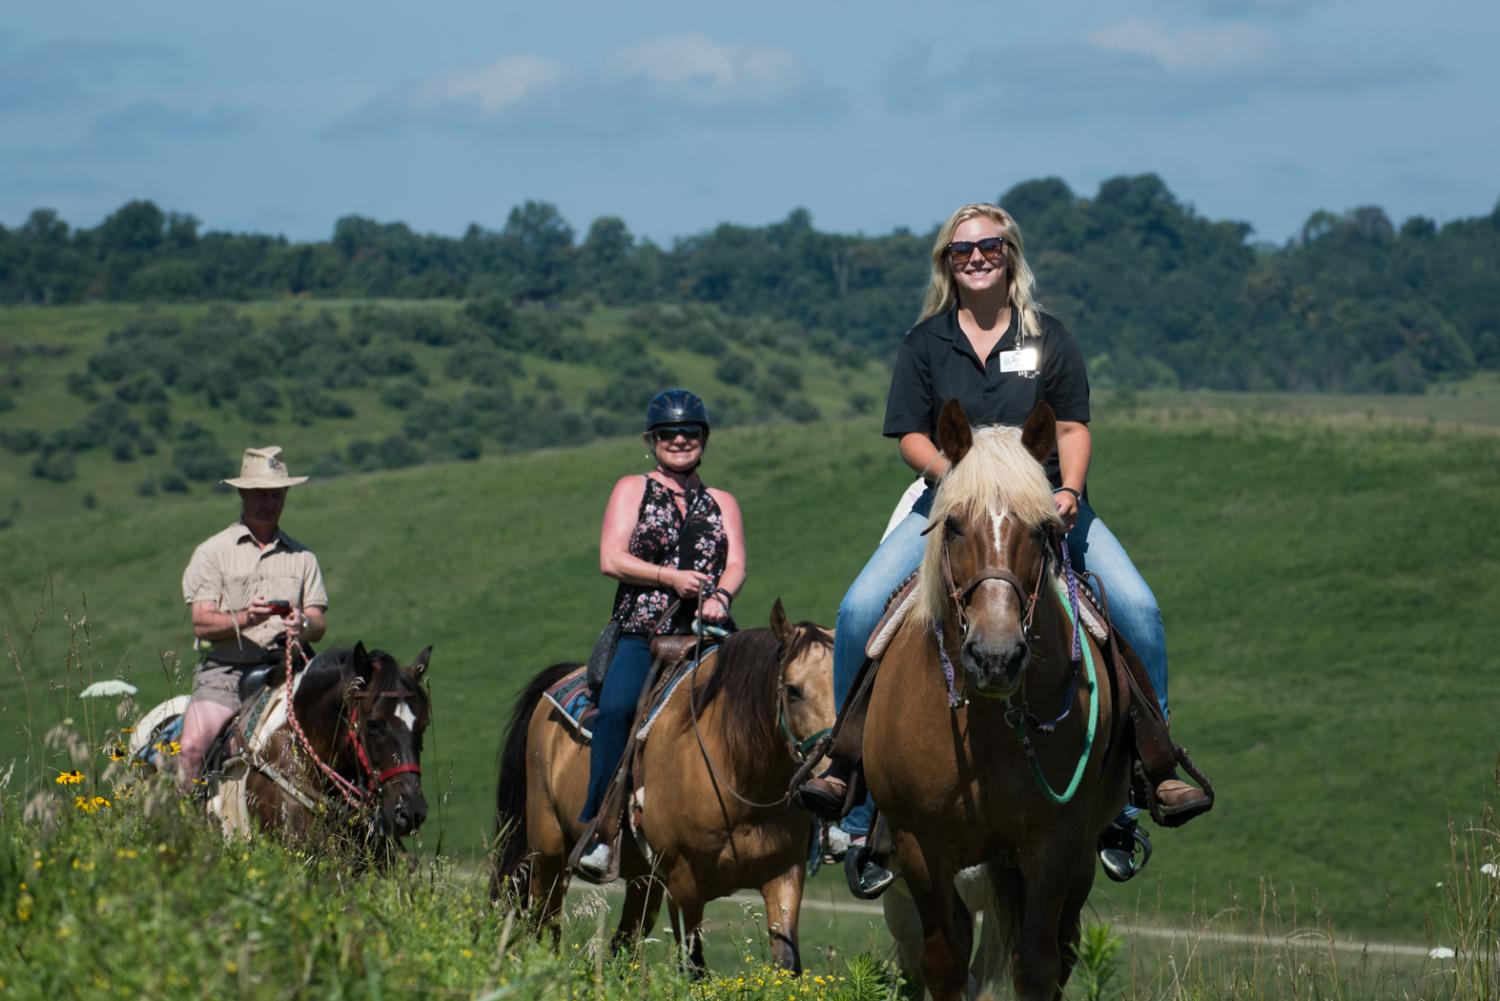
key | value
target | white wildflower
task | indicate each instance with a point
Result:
(102, 689)
(1490, 869)
(1440, 952)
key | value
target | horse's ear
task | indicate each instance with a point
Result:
(780, 624)
(359, 659)
(954, 437)
(420, 664)
(1039, 435)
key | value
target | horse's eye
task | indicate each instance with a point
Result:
(793, 693)
(375, 725)
(953, 527)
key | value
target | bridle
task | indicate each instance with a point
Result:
(799, 750)
(1019, 717)
(357, 796)
(962, 595)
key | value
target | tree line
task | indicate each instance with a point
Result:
(1158, 295)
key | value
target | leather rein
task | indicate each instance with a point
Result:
(799, 750)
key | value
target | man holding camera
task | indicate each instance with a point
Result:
(252, 589)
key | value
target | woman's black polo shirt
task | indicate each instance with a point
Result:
(937, 364)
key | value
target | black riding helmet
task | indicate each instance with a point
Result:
(677, 406)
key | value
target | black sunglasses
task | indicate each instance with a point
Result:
(692, 432)
(992, 247)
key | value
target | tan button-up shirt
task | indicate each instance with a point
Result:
(231, 570)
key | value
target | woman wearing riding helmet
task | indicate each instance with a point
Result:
(666, 537)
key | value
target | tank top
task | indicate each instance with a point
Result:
(666, 536)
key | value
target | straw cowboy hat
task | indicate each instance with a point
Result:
(263, 469)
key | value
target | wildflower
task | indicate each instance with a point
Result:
(101, 689)
(1440, 952)
(171, 748)
(69, 778)
(115, 752)
(1490, 869)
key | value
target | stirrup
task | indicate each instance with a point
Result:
(597, 865)
(822, 797)
(1118, 846)
(866, 877)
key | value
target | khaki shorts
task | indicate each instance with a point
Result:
(218, 683)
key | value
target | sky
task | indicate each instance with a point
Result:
(281, 117)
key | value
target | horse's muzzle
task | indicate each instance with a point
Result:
(405, 810)
(994, 669)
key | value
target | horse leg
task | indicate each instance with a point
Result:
(642, 902)
(549, 884)
(947, 932)
(1068, 926)
(783, 899)
(1037, 962)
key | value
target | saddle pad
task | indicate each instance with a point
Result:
(664, 692)
(896, 606)
(571, 698)
(905, 598)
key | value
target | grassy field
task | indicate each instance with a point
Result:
(1330, 611)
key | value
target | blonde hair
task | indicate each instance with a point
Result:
(996, 474)
(942, 290)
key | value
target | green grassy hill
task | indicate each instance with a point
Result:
(1329, 586)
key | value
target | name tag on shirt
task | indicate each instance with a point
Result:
(1021, 360)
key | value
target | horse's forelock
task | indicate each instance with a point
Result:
(996, 474)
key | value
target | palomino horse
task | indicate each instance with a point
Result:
(350, 746)
(958, 760)
(710, 783)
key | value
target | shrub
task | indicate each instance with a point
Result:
(55, 465)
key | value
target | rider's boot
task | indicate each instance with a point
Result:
(1121, 841)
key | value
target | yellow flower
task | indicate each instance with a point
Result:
(82, 803)
(100, 803)
(69, 778)
(115, 752)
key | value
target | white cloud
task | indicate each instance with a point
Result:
(493, 88)
(1143, 66)
(695, 70)
(650, 83)
(1211, 50)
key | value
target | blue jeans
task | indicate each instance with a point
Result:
(622, 690)
(1091, 545)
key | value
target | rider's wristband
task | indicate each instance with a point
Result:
(1076, 495)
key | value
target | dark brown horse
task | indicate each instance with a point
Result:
(348, 749)
(709, 785)
(986, 742)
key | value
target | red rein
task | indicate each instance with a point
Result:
(353, 794)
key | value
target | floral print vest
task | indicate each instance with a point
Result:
(665, 536)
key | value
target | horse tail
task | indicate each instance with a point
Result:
(509, 854)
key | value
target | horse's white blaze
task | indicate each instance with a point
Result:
(996, 521)
(404, 714)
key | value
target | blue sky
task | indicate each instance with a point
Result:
(280, 117)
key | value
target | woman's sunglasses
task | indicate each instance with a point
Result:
(992, 247)
(691, 432)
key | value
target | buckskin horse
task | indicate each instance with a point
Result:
(959, 762)
(344, 756)
(709, 787)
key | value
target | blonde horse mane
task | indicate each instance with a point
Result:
(997, 475)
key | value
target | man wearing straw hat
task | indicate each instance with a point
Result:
(252, 588)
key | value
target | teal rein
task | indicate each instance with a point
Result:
(1017, 718)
